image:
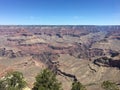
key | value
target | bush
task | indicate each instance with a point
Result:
(46, 80)
(13, 81)
(77, 86)
(107, 85)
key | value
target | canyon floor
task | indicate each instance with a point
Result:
(89, 54)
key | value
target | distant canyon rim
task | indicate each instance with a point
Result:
(87, 53)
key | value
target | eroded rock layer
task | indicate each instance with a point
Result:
(89, 54)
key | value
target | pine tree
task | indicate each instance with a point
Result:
(12, 81)
(107, 85)
(77, 86)
(46, 80)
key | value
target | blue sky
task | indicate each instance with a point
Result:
(60, 12)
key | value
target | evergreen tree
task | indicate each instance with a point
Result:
(107, 85)
(77, 86)
(46, 80)
(13, 81)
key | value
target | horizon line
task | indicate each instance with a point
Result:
(56, 25)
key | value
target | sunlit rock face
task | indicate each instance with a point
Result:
(89, 54)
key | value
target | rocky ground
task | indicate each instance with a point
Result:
(89, 54)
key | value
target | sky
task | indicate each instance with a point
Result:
(59, 12)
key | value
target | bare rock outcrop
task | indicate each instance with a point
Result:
(10, 53)
(108, 62)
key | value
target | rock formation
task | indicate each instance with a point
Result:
(75, 53)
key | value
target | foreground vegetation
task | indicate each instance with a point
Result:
(45, 80)
(107, 85)
(13, 81)
(77, 86)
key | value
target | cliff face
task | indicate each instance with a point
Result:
(107, 62)
(10, 53)
(89, 54)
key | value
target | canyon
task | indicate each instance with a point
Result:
(86, 53)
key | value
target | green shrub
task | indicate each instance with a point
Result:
(46, 80)
(12, 81)
(107, 85)
(77, 86)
